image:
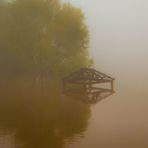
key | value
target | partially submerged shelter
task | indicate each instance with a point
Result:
(87, 80)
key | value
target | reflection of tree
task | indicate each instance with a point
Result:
(42, 120)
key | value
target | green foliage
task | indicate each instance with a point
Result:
(42, 37)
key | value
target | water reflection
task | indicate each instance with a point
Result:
(35, 117)
(89, 84)
(92, 97)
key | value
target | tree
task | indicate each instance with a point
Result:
(70, 36)
(45, 36)
(41, 37)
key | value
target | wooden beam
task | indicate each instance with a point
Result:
(91, 82)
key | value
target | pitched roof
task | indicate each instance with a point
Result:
(88, 75)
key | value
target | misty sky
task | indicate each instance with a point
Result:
(119, 37)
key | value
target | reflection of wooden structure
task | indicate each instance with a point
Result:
(86, 78)
(92, 98)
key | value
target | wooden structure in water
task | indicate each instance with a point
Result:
(88, 81)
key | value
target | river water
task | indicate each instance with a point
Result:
(35, 117)
(118, 121)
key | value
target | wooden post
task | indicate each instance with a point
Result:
(112, 85)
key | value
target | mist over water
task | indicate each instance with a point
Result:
(118, 33)
(41, 116)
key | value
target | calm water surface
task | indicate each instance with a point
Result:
(37, 118)
(119, 121)
(32, 116)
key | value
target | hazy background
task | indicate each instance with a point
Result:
(39, 115)
(119, 46)
(118, 39)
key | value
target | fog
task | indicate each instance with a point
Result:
(118, 45)
(118, 39)
(35, 110)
